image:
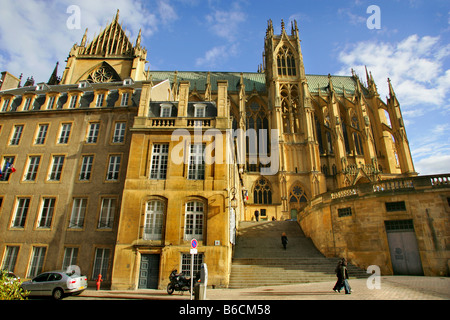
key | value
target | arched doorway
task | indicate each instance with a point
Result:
(297, 201)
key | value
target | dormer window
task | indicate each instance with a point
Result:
(27, 104)
(100, 99)
(166, 110)
(73, 102)
(83, 84)
(127, 82)
(199, 110)
(5, 105)
(51, 102)
(124, 100)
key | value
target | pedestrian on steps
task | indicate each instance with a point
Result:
(257, 215)
(284, 240)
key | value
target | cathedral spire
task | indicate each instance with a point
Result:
(391, 89)
(294, 28)
(371, 83)
(269, 30)
(84, 39)
(138, 39)
(54, 77)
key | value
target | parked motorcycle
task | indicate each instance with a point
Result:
(179, 282)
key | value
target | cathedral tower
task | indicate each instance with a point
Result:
(292, 114)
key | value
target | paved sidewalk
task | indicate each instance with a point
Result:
(392, 288)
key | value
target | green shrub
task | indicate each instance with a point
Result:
(10, 288)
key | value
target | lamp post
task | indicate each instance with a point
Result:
(233, 200)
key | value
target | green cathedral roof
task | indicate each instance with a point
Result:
(252, 80)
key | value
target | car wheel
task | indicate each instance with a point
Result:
(58, 294)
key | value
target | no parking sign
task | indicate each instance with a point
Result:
(194, 244)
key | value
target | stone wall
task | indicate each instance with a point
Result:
(350, 222)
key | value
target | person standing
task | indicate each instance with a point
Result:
(337, 286)
(344, 272)
(284, 240)
(257, 215)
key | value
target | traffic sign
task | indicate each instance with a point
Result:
(194, 244)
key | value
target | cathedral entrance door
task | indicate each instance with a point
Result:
(403, 246)
(294, 214)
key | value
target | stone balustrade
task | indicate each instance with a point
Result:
(391, 185)
(169, 123)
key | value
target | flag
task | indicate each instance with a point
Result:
(10, 166)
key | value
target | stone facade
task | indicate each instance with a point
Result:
(152, 159)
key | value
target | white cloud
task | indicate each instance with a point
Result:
(433, 164)
(414, 65)
(213, 56)
(167, 12)
(351, 17)
(225, 25)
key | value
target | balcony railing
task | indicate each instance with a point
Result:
(392, 185)
(163, 123)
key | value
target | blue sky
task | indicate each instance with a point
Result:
(411, 47)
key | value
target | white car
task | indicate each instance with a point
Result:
(56, 284)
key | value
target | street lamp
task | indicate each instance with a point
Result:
(233, 201)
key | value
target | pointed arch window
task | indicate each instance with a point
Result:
(298, 196)
(358, 144)
(345, 134)
(329, 142)
(286, 62)
(103, 73)
(319, 135)
(257, 120)
(262, 193)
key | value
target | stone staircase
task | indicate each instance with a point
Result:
(260, 260)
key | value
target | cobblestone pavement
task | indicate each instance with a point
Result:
(392, 288)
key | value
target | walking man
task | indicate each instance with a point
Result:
(284, 240)
(257, 215)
